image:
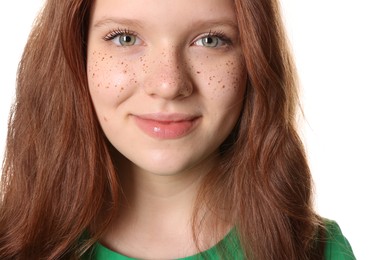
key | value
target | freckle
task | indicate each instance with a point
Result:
(125, 71)
(98, 85)
(116, 85)
(223, 86)
(111, 57)
(122, 63)
(198, 72)
(135, 81)
(105, 119)
(122, 88)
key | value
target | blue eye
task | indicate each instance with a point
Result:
(213, 40)
(123, 38)
(210, 41)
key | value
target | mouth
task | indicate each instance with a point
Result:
(167, 126)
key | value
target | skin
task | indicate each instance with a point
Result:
(166, 70)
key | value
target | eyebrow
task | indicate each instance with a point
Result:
(215, 23)
(121, 21)
(132, 22)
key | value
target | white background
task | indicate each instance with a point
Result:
(342, 50)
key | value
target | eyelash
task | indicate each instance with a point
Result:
(117, 32)
(219, 34)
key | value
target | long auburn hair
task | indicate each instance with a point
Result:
(59, 178)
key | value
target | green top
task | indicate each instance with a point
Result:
(337, 248)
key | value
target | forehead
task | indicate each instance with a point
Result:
(164, 12)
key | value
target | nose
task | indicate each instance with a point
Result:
(168, 76)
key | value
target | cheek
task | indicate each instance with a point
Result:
(111, 79)
(222, 82)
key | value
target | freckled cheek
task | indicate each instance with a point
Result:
(111, 79)
(224, 83)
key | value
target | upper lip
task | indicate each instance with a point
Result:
(167, 117)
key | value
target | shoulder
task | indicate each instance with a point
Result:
(337, 246)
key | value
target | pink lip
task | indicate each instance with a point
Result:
(166, 126)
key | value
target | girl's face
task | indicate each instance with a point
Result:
(166, 78)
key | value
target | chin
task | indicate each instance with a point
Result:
(174, 165)
(163, 170)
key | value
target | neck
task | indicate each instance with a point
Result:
(156, 212)
(160, 202)
(146, 192)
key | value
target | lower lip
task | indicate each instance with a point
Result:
(166, 130)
